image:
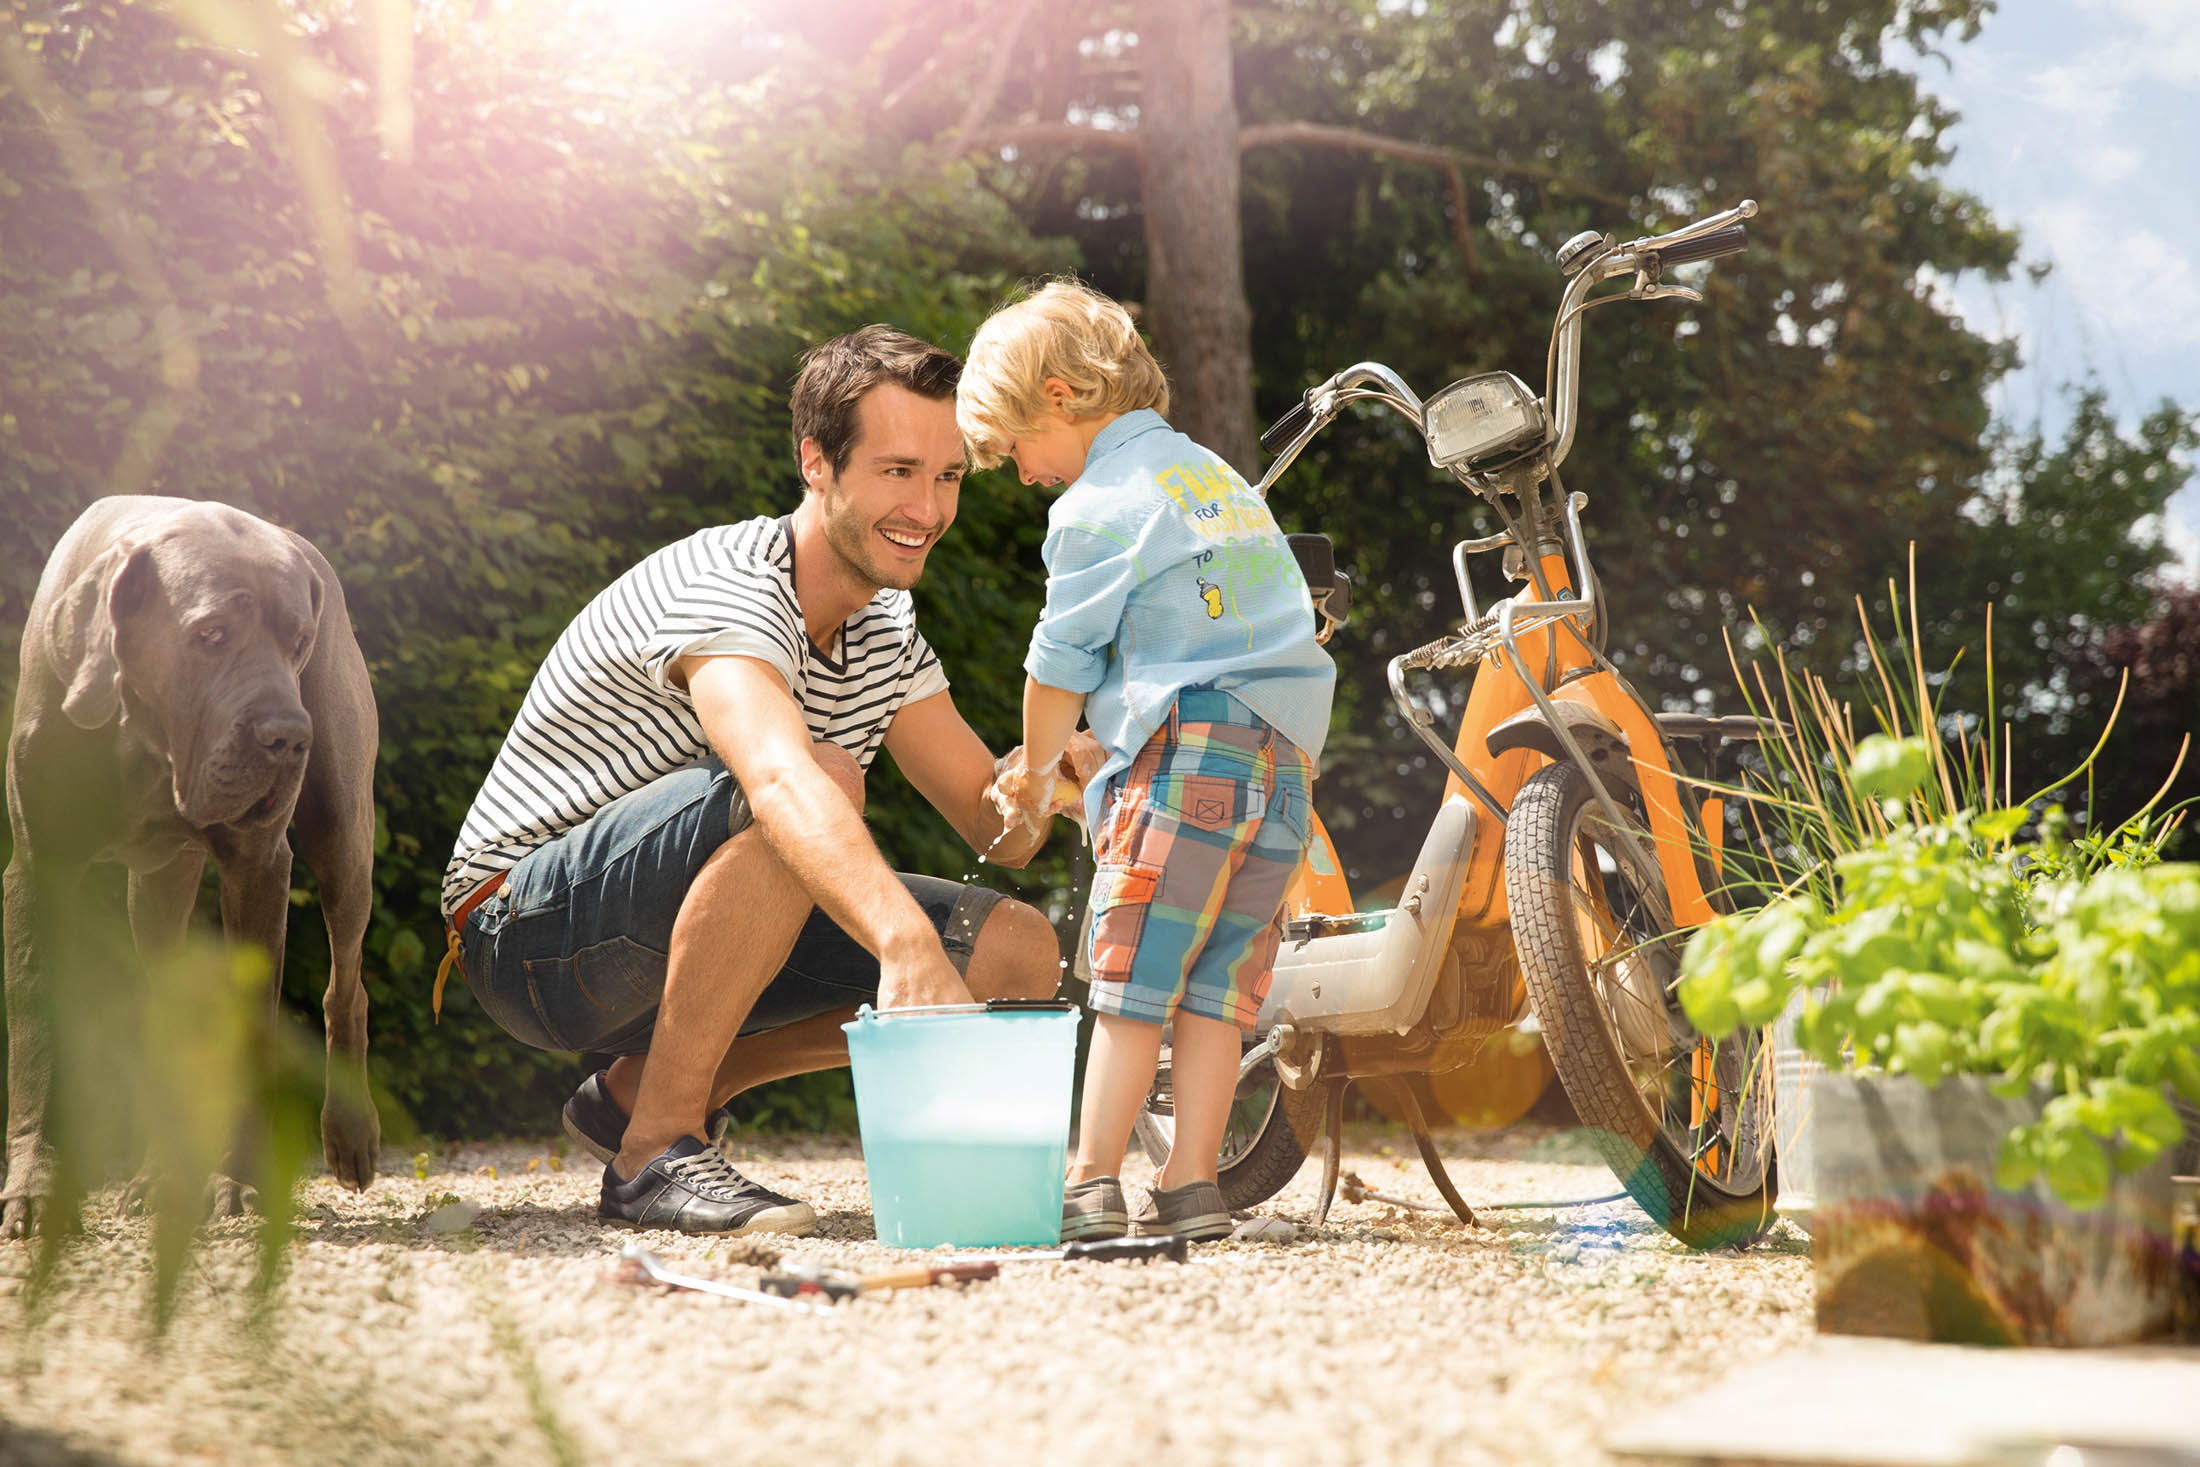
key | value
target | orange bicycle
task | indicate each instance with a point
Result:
(1566, 853)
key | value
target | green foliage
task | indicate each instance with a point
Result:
(585, 291)
(1778, 447)
(1889, 768)
(170, 1062)
(1943, 950)
(554, 330)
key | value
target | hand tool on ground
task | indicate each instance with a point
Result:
(1097, 1250)
(836, 1284)
(640, 1266)
(1352, 1189)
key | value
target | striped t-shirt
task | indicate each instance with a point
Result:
(601, 718)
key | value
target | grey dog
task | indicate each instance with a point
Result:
(189, 683)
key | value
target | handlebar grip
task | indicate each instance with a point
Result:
(1286, 427)
(1731, 240)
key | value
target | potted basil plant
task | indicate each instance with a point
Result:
(1994, 1130)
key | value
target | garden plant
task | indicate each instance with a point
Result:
(1933, 931)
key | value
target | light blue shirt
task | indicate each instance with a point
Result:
(1165, 571)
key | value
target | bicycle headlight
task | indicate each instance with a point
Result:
(1481, 421)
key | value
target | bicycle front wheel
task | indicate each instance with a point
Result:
(1678, 1118)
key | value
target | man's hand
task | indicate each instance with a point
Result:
(917, 974)
(1022, 794)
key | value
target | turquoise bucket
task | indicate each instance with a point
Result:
(965, 1118)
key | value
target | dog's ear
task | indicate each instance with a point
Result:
(319, 577)
(80, 638)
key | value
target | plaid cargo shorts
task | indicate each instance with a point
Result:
(1195, 854)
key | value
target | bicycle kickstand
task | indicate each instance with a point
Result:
(1417, 1119)
(1333, 1124)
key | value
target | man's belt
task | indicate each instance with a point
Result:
(457, 925)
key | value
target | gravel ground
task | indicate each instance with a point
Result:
(407, 1334)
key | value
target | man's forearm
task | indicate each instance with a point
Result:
(820, 838)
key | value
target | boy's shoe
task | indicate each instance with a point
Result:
(690, 1187)
(597, 1125)
(1193, 1211)
(1093, 1208)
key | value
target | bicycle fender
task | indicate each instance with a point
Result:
(1600, 739)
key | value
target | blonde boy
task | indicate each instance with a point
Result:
(1178, 624)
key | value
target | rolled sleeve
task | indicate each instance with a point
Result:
(1090, 575)
(741, 611)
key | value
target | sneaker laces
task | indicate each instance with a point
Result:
(709, 1175)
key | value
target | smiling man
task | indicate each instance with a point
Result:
(668, 862)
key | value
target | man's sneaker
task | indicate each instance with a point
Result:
(597, 1125)
(690, 1187)
(1093, 1209)
(1194, 1211)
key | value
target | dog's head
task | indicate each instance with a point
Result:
(197, 628)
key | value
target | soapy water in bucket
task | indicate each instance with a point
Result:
(959, 1116)
(994, 1201)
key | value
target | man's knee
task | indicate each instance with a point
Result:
(1016, 955)
(840, 766)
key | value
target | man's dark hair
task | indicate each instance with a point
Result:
(836, 374)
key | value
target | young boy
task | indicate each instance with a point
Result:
(1179, 625)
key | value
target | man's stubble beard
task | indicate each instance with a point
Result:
(850, 538)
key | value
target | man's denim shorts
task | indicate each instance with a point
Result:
(569, 954)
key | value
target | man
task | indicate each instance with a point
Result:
(684, 783)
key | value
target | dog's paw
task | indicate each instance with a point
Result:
(228, 1197)
(222, 1196)
(20, 1216)
(137, 1193)
(351, 1142)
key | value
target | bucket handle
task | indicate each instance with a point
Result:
(990, 1006)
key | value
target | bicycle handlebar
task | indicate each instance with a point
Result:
(1705, 239)
(1731, 240)
(1285, 426)
(1708, 238)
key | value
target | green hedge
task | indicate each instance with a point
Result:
(577, 333)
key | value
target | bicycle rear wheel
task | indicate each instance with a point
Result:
(1679, 1119)
(1264, 1143)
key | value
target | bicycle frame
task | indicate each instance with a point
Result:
(1550, 726)
(1542, 680)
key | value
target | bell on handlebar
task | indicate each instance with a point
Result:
(1577, 251)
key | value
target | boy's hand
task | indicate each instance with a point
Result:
(1072, 772)
(1082, 759)
(1021, 793)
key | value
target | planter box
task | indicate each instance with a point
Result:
(1911, 1238)
(1792, 1074)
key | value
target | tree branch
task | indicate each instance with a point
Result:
(1325, 135)
(946, 55)
(1056, 134)
(996, 76)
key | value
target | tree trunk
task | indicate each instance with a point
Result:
(1195, 254)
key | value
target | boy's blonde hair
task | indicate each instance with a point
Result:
(1064, 329)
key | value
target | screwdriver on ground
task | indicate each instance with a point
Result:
(795, 1279)
(638, 1265)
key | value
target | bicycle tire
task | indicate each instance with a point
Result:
(1554, 829)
